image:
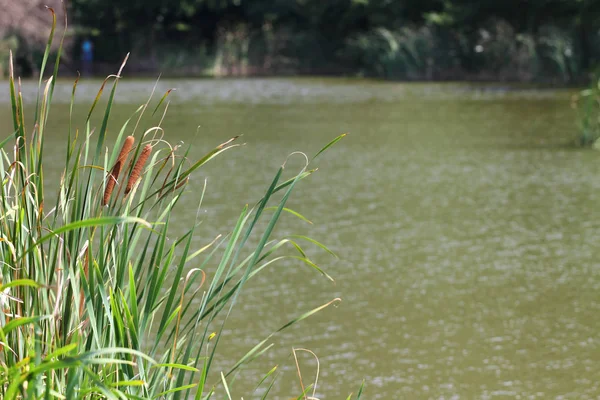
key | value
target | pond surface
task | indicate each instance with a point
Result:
(468, 231)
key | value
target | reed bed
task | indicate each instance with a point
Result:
(98, 297)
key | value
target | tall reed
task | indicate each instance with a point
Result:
(95, 300)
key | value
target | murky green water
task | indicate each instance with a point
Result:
(469, 233)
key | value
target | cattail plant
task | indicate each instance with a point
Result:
(96, 306)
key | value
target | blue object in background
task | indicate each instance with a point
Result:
(87, 56)
(87, 50)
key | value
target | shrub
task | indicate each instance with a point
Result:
(587, 107)
(403, 54)
(494, 51)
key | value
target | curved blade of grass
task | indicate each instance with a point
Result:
(309, 313)
(128, 383)
(250, 354)
(271, 372)
(20, 282)
(202, 250)
(63, 350)
(162, 99)
(294, 213)
(177, 366)
(174, 390)
(17, 322)
(314, 266)
(292, 180)
(269, 388)
(313, 241)
(328, 145)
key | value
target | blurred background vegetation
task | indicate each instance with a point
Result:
(503, 40)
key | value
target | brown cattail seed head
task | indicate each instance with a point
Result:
(116, 169)
(110, 184)
(138, 167)
(127, 146)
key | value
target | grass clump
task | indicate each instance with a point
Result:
(95, 300)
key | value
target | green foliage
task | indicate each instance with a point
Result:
(413, 39)
(495, 51)
(99, 297)
(403, 54)
(587, 107)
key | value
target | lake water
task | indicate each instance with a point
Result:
(468, 231)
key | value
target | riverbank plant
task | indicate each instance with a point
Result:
(100, 298)
(587, 107)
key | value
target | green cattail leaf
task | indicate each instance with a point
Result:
(314, 266)
(177, 389)
(177, 366)
(313, 241)
(162, 99)
(294, 213)
(17, 322)
(334, 141)
(308, 314)
(271, 372)
(20, 282)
